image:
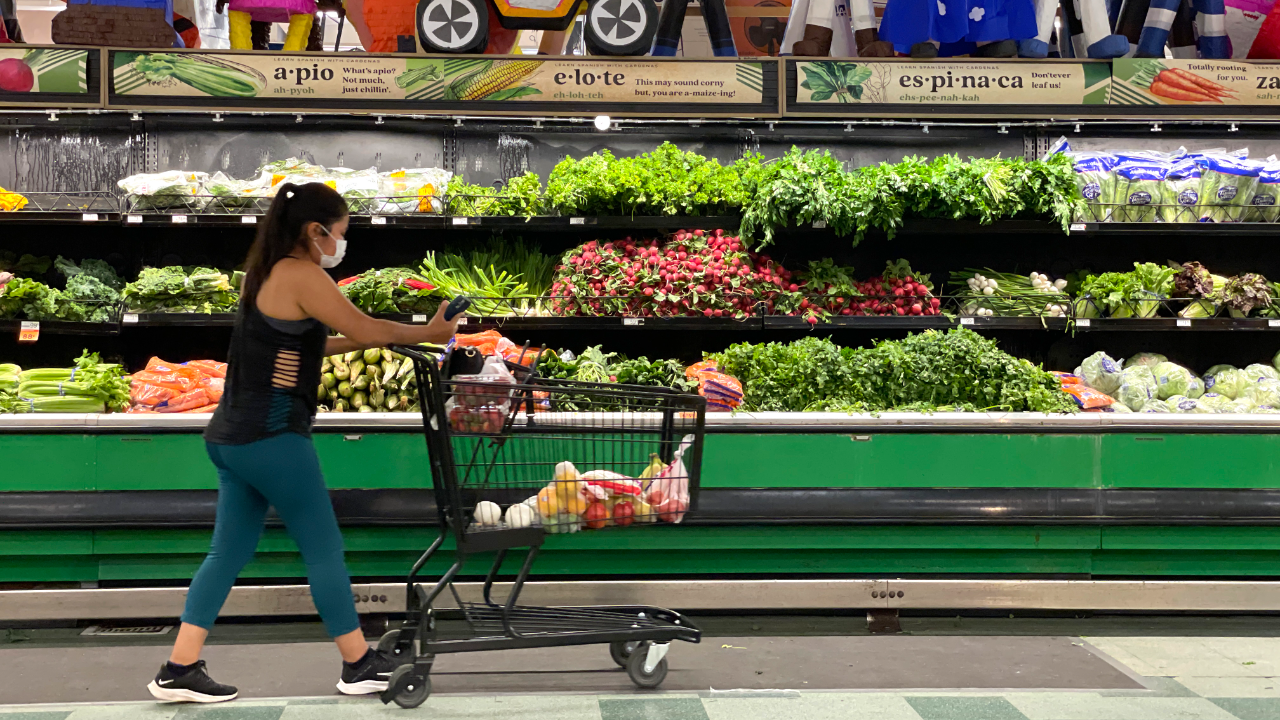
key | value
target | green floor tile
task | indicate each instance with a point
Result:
(37, 715)
(231, 712)
(1250, 708)
(965, 708)
(653, 709)
(129, 711)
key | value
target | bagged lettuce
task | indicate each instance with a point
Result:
(1182, 404)
(1172, 379)
(1243, 405)
(1216, 402)
(1101, 372)
(1258, 372)
(1145, 358)
(1196, 389)
(1227, 183)
(1155, 405)
(1265, 205)
(1227, 381)
(1095, 180)
(1139, 190)
(230, 193)
(1119, 408)
(1264, 393)
(1181, 200)
(1137, 386)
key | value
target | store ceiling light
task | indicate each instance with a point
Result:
(603, 122)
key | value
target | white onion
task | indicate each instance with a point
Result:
(488, 513)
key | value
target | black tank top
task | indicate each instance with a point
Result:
(272, 375)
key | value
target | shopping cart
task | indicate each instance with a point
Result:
(504, 464)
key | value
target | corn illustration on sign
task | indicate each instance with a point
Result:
(384, 80)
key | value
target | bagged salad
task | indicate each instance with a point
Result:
(230, 193)
(1181, 202)
(1095, 179)
(171, 190)
(415, 190)
(1139, 190)
(1227, 184)
(1265, 204)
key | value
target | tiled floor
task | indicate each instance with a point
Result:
(1203, 678)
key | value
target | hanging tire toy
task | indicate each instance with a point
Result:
(411, 689)
(388, 645)
(621, 651)
(636, 671)
(453, 26)
(621, 27)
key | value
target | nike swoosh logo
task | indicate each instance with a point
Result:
(384, 674)
(166, 683)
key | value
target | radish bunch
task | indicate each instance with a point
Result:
(696, 272)
(898, 291)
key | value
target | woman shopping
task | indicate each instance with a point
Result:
(259, 439)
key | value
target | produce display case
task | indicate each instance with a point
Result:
(126, 501)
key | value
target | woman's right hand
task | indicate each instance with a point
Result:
(442, 330)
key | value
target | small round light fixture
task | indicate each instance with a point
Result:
(603, 122)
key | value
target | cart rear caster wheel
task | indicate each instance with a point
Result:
(621, 651)
(635, 669)
(453, 26)
(410, 688)
(621, 27)
(388, 645)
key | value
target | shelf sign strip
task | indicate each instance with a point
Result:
(850, 83)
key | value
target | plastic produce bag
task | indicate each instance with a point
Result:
(1227, 183)
(1227, 381)
(1101, 372)
(1095, 179)
(668, 493)
(357, 187)
(1156, 405)
(230, 193)
(1264, 393)
(1139, 190)
(1265, 204)
(1137, 386)
(1257, 372)
(1145, 358)
(1216, 402)
(1183, 404)
(1172, 379)
(1196, 388)
(171, 190)
(1182, 192)
(415, 190)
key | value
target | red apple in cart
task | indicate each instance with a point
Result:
(656, 497)
(672, 510)
(596, 516)
(624, 513)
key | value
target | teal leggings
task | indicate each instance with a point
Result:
(281, 472)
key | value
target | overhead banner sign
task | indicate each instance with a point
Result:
(349, 81)
(31, 75)
(862, 85)
(1205, 83)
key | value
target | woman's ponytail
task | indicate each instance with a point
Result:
(281, 232)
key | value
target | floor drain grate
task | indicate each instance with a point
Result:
(139, 630)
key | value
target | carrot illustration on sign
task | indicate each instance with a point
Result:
(494, 80)
(1182, 85)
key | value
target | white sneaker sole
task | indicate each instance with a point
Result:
(179, 695)
(364, 687)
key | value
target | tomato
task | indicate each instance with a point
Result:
(596, 516)
(673, 509)
(624, 513)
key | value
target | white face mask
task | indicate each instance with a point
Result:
(331, 261)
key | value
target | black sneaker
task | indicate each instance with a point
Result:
(194, 686)
(370, 675)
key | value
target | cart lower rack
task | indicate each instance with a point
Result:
(504, 437)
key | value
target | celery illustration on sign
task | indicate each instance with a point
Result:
(843, 80)
(212, 76)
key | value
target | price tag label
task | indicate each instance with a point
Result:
(89, 217)
(1273, 323)
(1083, 322)
(1184, 322)
(577, 221)
(129, 318)
(378, 220)
(1077, 227)
(419, 318)
(819, 224)
(179, 219)
(133, 219)
(632, 321)
(249, 220)
(460, 221)
(966, 321)
(28, 331)
(463, 321)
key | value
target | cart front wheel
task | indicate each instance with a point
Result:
(635, 668)
(453, 26)
(411, 688)
(621, 651)
(388, 645)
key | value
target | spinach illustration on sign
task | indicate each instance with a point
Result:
(841, 79)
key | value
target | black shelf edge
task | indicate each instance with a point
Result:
(62, 327)
(78, 217)
(131, 319)
(1164, 324)
(1164, 229)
